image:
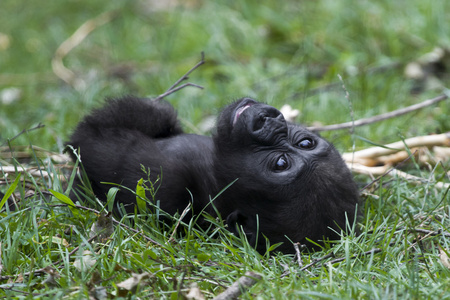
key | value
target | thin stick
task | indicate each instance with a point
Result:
(174, 87)
(383, 171)
(419, 240)
(442, 139)
(38, 126)
(238, 287)
(186, 76)
(33, 171)
(381, 117)
(299, 258)
(373, 251)
(185, 211)
(316, 261)
(297, 252)
(430, 232)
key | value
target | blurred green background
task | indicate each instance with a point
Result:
(280, 52)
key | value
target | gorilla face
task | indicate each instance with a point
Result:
(258, 136)
(291, 183)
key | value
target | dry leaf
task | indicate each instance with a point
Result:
(442, 153)
(444, 257)
(52, 276)
(98, 293)
(132, 283)
(103, 228)
(194, 292)
(19, 279)
(289, 113)
(85, 262)
(53, 239)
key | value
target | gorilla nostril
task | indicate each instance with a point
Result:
(259, 122)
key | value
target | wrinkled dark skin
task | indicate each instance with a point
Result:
(289, 183)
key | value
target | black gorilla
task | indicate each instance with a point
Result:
(288, 183)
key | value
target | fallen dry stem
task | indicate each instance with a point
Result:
(381, 117)
(183, 214)
(186, 75)
(384, 170)
(38, 126)
(419, 141)
(239, 287)
(378, 161)
(337, 260)
(175, 86)
(298, 255)
(32, 171)
(74, 40)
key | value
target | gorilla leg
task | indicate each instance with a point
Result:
(125, 129)
(155, 119)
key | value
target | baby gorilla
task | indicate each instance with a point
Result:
(282, 181)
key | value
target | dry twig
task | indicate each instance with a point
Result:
(297, 253)
(238, 287)
(381, 117)
(379, 160)
(385, 170)
(38, 126)
(430, 232)
(32, 171)
(175, 86)
(337, 260)
(316, 261)
(183, 214)
(419, 141)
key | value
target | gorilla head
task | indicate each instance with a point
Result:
(291, 183)
(283, 181)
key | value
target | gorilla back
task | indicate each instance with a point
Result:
(289, 184)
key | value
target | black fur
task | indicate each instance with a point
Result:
(290, 184)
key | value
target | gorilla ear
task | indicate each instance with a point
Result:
(237, 220)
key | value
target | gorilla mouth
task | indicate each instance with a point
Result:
(241, 109)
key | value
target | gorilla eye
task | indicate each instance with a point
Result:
(306, 143)
(281, 164)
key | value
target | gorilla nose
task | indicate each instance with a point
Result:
(268, 122)
(268, 126)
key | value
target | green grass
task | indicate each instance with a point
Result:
(278, 52)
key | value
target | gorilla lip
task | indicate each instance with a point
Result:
(240, 110)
